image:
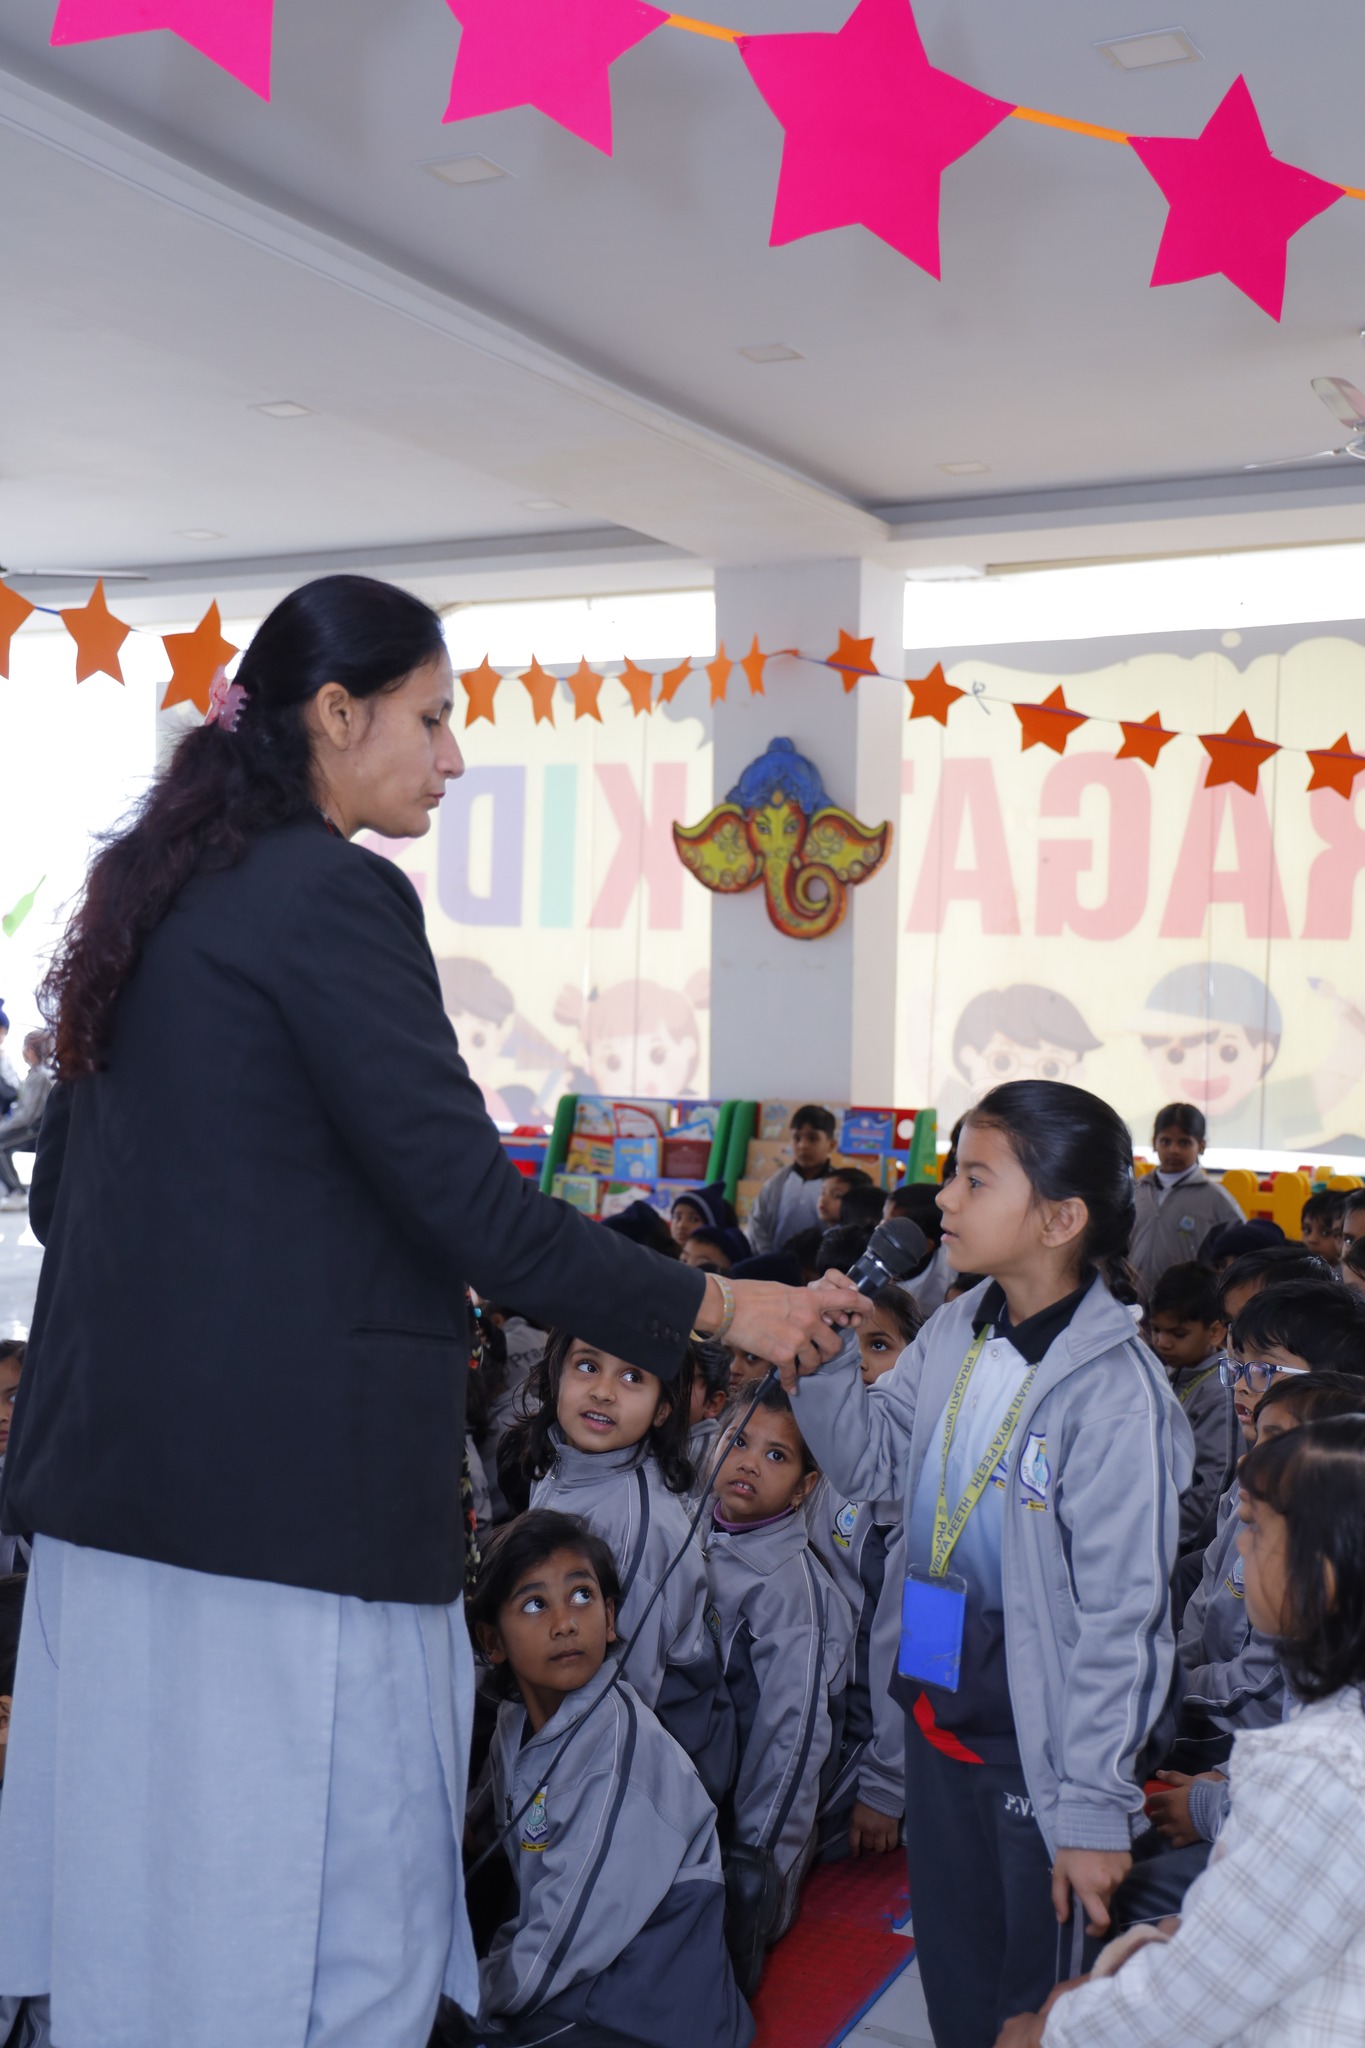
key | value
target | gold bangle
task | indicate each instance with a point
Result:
(727, 1299)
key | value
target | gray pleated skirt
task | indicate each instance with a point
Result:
(232, 1812)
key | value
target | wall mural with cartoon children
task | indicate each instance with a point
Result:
(573, 950)
(1090, 919)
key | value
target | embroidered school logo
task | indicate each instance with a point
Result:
(1018, 1806)
(1233, 1582)
(713, 1621)
(537, 1823)
(1035, 1474)
(845, 1522)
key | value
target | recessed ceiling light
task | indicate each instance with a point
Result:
(1157, 46)
(772, 352)
(542, 505)
(965, 468)
(283, 409)
(198, 533)
(466, 170)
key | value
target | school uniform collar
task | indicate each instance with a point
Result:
(1193, 1176)
(588, 1468)
(574, 1704)
(1035, 1336)
(763, 1548)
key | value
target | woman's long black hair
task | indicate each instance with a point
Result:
(222, 789)
(1073, 1146)
(1315, 1478)
(532, 1442)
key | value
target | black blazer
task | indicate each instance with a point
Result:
(249, 1349)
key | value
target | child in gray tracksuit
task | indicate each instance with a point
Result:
(864, 1545)
(620, 1900)
(1040, 1454)
(785, 1632)
(633, 1496)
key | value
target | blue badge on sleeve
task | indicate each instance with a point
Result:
(932, 1614)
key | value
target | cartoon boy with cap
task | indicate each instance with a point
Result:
(1212, 1033)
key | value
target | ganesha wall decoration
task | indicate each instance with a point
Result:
(778, 827)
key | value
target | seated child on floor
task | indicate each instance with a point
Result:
(607, 1440)
(1231, 1674)
(785, 1632)
(863, 1544)
(1270, 1946)
(1193, 1809)
(1188, 1336)
(619, 1927)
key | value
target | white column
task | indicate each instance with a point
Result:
(811, 1017)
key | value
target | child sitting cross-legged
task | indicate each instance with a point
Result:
(785, 1632)
(1270, 1949)
(1188, 1336)
(607, 1440)
(618, 1934)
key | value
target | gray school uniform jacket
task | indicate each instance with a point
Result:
(1217, 1443)
(1231, 1671)
(670, 1658)
(863, 1544)
(1088, 1546)
(621, 1900)
(785, 1632)
(785, 1205)
(1170, 1231)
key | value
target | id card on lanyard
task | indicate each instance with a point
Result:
(934, 1599)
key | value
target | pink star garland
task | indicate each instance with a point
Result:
(1234, 206)
(870, 128)
(232, 33)
(554, 55)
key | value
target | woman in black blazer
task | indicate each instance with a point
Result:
(235, 1792)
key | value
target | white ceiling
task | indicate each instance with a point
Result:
(176, 252)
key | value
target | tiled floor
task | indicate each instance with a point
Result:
(897, 2020)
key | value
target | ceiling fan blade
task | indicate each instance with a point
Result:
(1342, 400)
(1295, 461)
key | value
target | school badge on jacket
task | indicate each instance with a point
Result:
(1233, 1582)
(537, 1825)
(1035, 1474)
(845, 1522)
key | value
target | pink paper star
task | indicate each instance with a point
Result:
(870, 127)
(551, 54)
(1234, 206)
(233, 33)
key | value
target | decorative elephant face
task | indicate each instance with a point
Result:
(806, 855)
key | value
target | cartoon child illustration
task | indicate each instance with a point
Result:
(639, 1038)
(520, 1072)
(1022, 1033)
(1212, 1033)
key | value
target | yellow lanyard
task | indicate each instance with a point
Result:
(948, 1528)
(1195, 1385)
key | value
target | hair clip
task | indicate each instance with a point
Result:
(225, 702)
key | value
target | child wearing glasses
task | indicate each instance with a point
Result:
(1232, 1674)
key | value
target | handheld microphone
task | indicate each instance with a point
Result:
(895, 1250)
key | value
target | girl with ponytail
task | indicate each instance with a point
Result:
(1040, 1456)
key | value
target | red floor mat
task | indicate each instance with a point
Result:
(840, 1955)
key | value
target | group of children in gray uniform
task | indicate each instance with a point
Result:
(934, 1581)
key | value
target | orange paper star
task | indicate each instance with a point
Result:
(932, 696)
(13, 611)
(98, 636)
(1336, 767)
(672, 680)
(753, 666)
(1143, 739)
(540, 688)
(853, 658)
(1049, 724)
(638, 685)
(720, 671)
(1236, 755)
(195, 660)
(481, 687)
(586, 687)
